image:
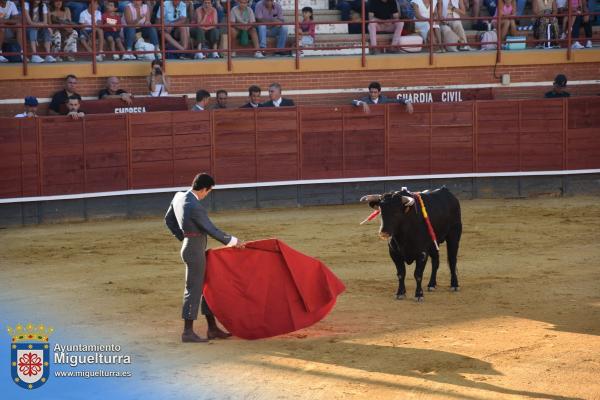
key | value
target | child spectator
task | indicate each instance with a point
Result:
(578, 8)
(85, 18)
(307, 29)
(558, 90)
(31, 104)
(112, 34)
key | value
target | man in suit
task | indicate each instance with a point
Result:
(375, 97)
(253, 97)
(276, 99)
(188, 221)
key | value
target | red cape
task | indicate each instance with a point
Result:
(268, 289)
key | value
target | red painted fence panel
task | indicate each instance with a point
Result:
(99, 153)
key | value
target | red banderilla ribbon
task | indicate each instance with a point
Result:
(427, 221)
(371, 217)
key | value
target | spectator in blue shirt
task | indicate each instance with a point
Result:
(175, 16)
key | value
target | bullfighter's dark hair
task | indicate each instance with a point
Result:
(203, 181)
(253, 89)
(202, 94)
(375, 85)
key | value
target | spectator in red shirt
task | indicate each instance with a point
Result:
(112, 34)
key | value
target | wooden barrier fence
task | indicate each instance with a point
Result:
(57, 156)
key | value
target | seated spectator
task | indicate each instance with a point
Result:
(61, 15)
(202, 100)
(113, 91)
(379, 12)
(422, 10)
(578, 8)
(275, 97)
(76, 7)
(31, 104)
(455, 9)
(306, 35)
(507, 26)
(346, 8)
(158, 82)
(221, 100)
(562, 8)
(85, 18)
(242, 14)
(175, 16)
(9, 15)
(112, 34)
(137, 15)
(73, 107)
(558, 90)
(490, 5)
(59, 99)
(253, 97)
(546, 25)
(269, 11)
(375, 97)
(36, 16)
(208, 34)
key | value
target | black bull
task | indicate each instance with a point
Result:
(403, 223)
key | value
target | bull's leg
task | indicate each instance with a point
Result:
(435, 263)
(419, 268)
(401, 272)
(453, 241)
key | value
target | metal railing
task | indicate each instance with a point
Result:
(227, 25)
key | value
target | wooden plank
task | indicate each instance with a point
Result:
(106, 160)
(152, 174)
(151, 155)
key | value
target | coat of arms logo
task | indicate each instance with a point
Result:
(30, 355)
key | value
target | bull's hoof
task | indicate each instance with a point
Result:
(455, 289)
(420, 299)
(400, 296)
(431, 288)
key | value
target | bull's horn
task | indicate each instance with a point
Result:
(408, 201)
(371, 197)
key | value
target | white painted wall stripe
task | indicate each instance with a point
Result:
(304, 92)
(301, 182)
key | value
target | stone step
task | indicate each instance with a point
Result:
(341, 52)
(319, 15)
(315, 4)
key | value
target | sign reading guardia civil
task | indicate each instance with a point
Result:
(29, 355)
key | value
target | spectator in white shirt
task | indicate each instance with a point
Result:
(36, 16)
(85, 18)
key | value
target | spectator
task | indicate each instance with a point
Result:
(253, 97)
(202, 100)
(175, 17)
(36, 16)
(560, 82)
(546, 25)
(112, 34)
(9, 15)
(375, 97)
(379, 12)
(31, 104)
(507, 25)
(275, 97)
(61, 15)
(158, 82)
(73, 107)
(242, 14)
(221, 100)
(455, 9)
(137, 15)
(207, 33)
(307, 29)
(490, 5)
(422, 10)
(579, 7)
(113, 91)
(85, 18)
(562, 8)
(346, 8)
(60, 98)
(76, 7)
(268, 11)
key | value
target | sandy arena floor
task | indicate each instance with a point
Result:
(526, 323)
